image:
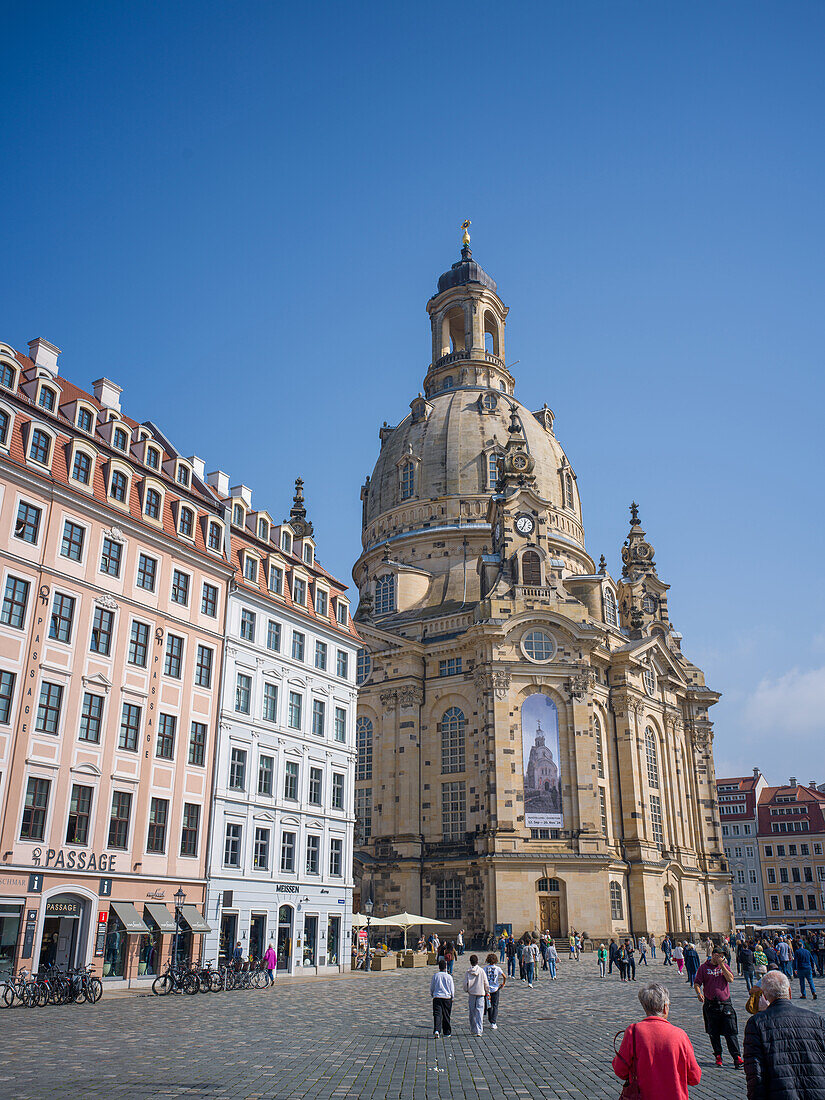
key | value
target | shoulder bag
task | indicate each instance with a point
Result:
(631, 1090)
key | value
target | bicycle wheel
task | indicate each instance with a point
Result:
(163, 985)
(205, 981)
(259, 979)
(215, 982)
(230, 980)
(190, 983)
(93, 989)
(31, 994)
(6, 995)
(43, 994)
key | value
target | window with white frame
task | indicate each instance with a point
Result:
(407, 480)
(452, 727)
(656, 819)
(453, 811)
(363, 746)
(652, 758)
(448, 899)
(232, 845)
(385, 594)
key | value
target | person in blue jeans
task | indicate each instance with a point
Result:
(804, 961)
(510, 951)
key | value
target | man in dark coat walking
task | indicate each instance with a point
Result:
(784, 1047)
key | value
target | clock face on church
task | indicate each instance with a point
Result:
(524, 524)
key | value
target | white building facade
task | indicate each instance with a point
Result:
(281, 838)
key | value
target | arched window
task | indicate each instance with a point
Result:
(119, 439)
(531, 568)
(237, 515)
(610, 616)
(263, 530)
(363, 666)
(7, 374)
(650, 681)
(363, 746)
(597, 730)
(616, 910)
(568, 491)
(5, 422)
(452, 728)
(491, 333)
(407, 480)
(548, 886)
(385, 595)
(493, 460)
(652, 759)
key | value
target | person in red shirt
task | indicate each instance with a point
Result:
(658, 1054)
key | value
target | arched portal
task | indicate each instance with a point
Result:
(286, 917)
(65, 936)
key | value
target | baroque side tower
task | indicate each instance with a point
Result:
(534, 749)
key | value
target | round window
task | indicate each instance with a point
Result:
(538, 646)
(363, 666)
(490, 402)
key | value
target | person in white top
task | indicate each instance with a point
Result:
(679, 956)
(442, 991)
(477, 987)
(496, 982)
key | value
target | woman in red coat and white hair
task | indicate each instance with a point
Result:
(657, 1054)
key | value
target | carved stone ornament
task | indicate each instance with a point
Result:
(581, 682)
(107, 601)
(411, 697)
(496, 680)
(115, 534)
(389, 699)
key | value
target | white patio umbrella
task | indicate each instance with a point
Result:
(407, 920)
(359, 920)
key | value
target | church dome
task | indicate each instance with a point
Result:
(465, 271)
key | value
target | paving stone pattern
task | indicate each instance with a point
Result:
(366, 1035)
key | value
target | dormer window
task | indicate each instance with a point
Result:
(610, 616)
(276, 580)
(152, 504)
(41, 447)
(119, 486)
(238, 515)
(47, 399)
(342, 612)
(568, 491)
(286, 542)
(299, 591)
(215, 540)
(384, 595)
(183, 476)
(407, 480)
(5, 428)
(153, 458)
(263, 530)
(321, 602)
(82, 468)
(120, 439)
(85, 420)
(7, 376)
(307, 553)
(187, 522)
(250, 569)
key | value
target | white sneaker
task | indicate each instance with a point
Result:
(494, 1027)
(436, 1034)
(530, 985)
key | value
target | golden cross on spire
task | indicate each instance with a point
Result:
(465, 225)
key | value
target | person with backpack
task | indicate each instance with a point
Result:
(657, 1056)
(496, 981)
(448, 955)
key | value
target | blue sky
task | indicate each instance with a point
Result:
(238, 212)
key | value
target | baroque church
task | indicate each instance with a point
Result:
(534, 748)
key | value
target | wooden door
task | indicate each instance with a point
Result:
(550, 916)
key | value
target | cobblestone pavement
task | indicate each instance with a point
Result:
(366, 1036)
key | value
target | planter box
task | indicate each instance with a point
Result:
(383, 962)
(411, 961)
(432, 958)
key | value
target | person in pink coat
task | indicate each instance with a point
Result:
(270, 962)
(661, 1055)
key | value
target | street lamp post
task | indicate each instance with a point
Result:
(180, 898)
(687, 914)
(368, 905)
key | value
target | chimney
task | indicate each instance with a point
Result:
(244, 492)
(44, 355)
(199, 466)
(793, 780)
(107, 393)
(756, 773)
(219, 482)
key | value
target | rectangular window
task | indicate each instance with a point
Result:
(248, 625)
(110, 558)
(276, 580)
(147, 572)
(243, 693)
(774, 903)
(60, 627)
(273, 636)
(91, 717)
(340, 724)
(295, 708)
(342, 612)
(291, 780)
(771, 875)
(783, 874)
(197, 744)
(768, 850)
(603, 810)
(450, 667)
(321, 602)
(71, 546)
(209, 601)
(266, 771)
(129, 727)
(158, 814)
(152, 504)
(250, 568)
(321, 656)
(203, 667)
(82, 468)
(808, 874)
(189, 829)
(41, 447)
(271, 702)
(215, 536)
(80, 812)
(173, 663)
(237, 770)
(138, 644)
(260, 852)
(167, 726)
(316, 780)
(336, 857)
(298, 640)
(33, 825)
(319, 711)
(27, 524)
(795, 876)
(804, 850)
(337, 791)
(342, 664)
(780, 850)
(299, 591)
(15, 598)
(232, 846)
(800, 901)
(180, 587)
(448, 899)
(453, 811)
(48, 709)
(7, 681)
(363, 812)
(119, 819)
(288, 852)
(313, 854)
(102, 629)
(787, 904)
(656, 819)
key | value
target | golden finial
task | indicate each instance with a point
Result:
(465, 225)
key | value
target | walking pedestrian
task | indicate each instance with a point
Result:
(502, 947)
(784, 1047)
(628, 954)
(820, 954)
(783, 950)
(448, 954)
(679, 956)
(496, 981)
(442, 991)
(552, 959)
(652, 946)
(804, 962)
(712, 985)
(667, 948)
(571, 940)
(612, 956)
(476, 987)
(529, 956)
(460, 943)
(691, 961)
(601, 955)
(642, 950)
(271, 963)
(760, 962)
(657, 1054)
(510, 951)
(744, 956)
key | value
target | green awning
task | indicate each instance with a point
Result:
(159, 916)
(129, 916)
(190, 916)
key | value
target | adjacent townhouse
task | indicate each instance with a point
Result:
(738, 798)
(792, 853)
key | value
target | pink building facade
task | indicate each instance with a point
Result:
(113, 584)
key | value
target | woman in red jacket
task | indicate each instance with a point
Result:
(658, 1054)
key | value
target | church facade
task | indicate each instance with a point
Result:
(534, 748)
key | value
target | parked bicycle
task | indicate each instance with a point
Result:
(176, 978)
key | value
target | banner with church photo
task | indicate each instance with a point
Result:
(540, 750)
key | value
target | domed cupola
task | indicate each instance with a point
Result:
(465, 271)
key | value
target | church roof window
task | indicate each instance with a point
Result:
(538, 646)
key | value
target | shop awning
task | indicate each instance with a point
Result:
(129, 916)
(191, 916)
(160, 916)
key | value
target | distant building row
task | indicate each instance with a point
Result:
(774, 840)
(177, 699)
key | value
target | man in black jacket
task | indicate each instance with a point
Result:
(784, 1047)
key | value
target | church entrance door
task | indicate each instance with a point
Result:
(550, 916)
